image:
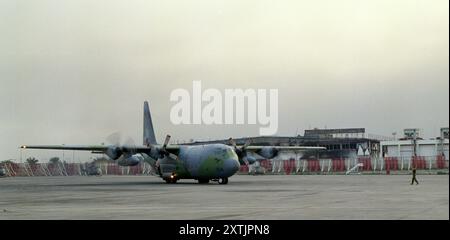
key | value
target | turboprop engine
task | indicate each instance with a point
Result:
(114, 152)
(130, 160)
(268, 152)
(249, 159)
(244, 157)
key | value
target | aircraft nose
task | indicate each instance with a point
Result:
(232, 166)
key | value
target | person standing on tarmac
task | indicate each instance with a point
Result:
(414, 179)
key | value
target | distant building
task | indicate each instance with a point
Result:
(444, 133)
(336, 133)
(411, 133)
(339, 143)
(412, 144)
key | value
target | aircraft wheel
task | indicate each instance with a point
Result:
(171, 180)
(203, 181)
(223, 181)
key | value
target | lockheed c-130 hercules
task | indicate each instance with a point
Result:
(204, 163)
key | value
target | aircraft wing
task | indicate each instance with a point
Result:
(272, 151)
(96, 148)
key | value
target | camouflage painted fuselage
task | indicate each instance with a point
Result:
(212, 161)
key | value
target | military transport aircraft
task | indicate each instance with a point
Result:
(204, 163)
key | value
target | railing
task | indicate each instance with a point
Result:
(72, 169)
(375, 165)
(385, 165)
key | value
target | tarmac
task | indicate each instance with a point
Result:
(245, 197)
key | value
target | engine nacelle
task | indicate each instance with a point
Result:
(114, 152)
(132, 160)
(155, 153)
(268, 152)
(249, 159)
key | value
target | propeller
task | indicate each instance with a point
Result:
(117, 147)
(130, 146)
(242, 151)
(162, 151)
(114, 138)
(166, 141)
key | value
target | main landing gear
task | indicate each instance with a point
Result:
(203, 181)
(200, 181)
(220, 180)
(223, 180)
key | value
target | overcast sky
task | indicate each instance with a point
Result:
(75, 71)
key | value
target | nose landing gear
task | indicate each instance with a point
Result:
(171, 179)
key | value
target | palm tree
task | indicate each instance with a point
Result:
(54, 160)
(32, 160)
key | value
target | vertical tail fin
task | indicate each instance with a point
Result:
(149, 133)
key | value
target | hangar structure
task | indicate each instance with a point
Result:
(412, 145)
(339, 143)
